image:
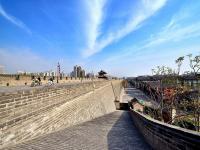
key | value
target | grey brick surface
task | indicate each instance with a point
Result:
(114, 131)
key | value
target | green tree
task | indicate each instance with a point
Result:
(179, 62)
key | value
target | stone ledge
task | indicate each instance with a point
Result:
(164, 136)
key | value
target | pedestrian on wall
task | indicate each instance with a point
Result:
(50, 82)
(39, 81)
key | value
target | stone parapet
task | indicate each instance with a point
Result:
(19, 80)
(162, 136)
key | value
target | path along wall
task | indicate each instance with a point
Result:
(162, 136)
(28, 114)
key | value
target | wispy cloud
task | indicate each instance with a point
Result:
(93, 22)
(146, 9)
(170, 33)
(174, 34)
(14, 20)
(178, 29)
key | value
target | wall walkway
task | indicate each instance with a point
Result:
(114, 131)
(31, 113)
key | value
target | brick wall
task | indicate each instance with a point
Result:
(162, 136)
(28, 114)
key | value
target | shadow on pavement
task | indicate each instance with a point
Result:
(125, 136)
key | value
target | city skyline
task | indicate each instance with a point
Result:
(123, 38)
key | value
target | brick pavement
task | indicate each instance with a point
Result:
(114, 131)
(129, 93)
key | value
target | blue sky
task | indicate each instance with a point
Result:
(125, 38)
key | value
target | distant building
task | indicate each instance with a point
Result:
(72, 74)
(58, 70)
(75, 74)
(83, 73)
(2, 71)
(62, 74)
(21, 72)
(90, 75)
(46, 73)
(78, 72)
(102, 74)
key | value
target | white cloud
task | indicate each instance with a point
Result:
(178, 37)
(146, 10)
(14, 20)
(93, 21)
(174, 31)
(178, 29)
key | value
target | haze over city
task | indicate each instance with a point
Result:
(124, 38)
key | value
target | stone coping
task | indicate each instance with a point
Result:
(166, 124)
(28, 89)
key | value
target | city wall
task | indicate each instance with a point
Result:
(18, 80)
(31, 113)
(163, 136)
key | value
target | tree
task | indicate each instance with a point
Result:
(162, 70)
(179, 62)
(169, 70)
(194, 63)
(153, 71)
